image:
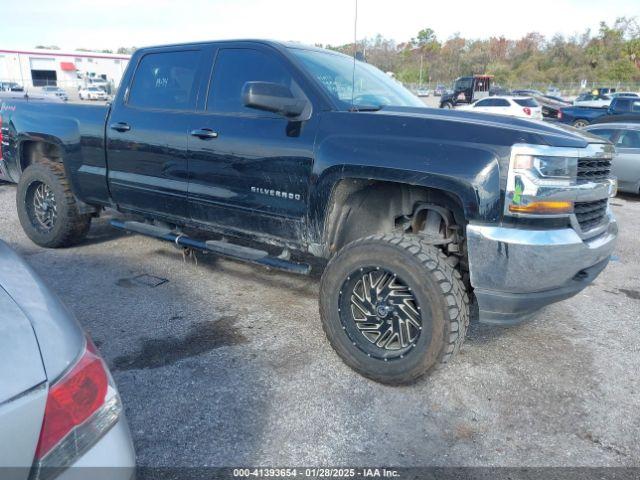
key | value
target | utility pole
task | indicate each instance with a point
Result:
(421, 61)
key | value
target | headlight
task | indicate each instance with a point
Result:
(538, 181)
(543, 167)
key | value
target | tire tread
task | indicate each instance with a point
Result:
(450, 283)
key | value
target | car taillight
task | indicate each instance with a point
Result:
(559, 114)
(81, 407)
(526, 110)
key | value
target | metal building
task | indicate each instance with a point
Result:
(67, 69)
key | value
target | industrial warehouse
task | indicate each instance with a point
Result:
(69, 70)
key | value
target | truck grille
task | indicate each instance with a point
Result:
(590, 214)
(593, 169)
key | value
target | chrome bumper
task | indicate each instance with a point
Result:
(515, 272)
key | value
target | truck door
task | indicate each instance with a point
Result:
(147, 131)
(249, 170)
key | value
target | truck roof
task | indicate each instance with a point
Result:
(273, 43)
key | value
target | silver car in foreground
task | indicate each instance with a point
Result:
(626, 162)
(59, 407)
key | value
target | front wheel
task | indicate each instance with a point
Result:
(393, 307)
(47, 208)
(447, 105)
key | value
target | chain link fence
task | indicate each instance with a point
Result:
(567, 90)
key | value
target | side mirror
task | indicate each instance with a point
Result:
(272, 97)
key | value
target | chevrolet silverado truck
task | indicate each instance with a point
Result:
(302, 152)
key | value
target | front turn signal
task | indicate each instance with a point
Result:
(543, 207)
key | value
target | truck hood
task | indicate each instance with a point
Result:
(473, 126)
(59, 336)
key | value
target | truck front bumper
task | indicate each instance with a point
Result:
(516, 272)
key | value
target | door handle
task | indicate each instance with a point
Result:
(120, 127)
(204, 133)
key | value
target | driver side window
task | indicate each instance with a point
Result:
(236, 66)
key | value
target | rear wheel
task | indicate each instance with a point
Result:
(447, 105)
(47, 208)
(580, 123)
(393, 307)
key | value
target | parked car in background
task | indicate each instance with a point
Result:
(626, 161)
(525, 107)
(558, 99)
(423, 92)
(603, 91)
(526, 93)
(439, 90)
(57, 91)
(498, 90)
(554, 92)
(621, 109)
(11, 87)
(592, 100)
(59, 406)
(92, 93)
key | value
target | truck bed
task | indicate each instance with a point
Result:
(76, 129)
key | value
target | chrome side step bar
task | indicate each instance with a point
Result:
(230, 250)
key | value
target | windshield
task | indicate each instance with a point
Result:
(373, 89)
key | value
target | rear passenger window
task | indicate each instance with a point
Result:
(236, 66)
(165, 80)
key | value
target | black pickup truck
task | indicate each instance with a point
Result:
(413, 212)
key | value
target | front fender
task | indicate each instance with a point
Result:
(469, 172)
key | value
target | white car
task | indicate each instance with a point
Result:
(92, 93)
(525, 107)
(56, 91)
(591, 100)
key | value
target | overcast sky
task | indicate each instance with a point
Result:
(94, 24)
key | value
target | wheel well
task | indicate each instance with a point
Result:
(38, 151)
(361, 207)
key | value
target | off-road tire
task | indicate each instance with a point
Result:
(436, 285)
(70, 226)
(580, 123)
(447, 105)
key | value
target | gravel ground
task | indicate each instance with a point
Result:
(225, 364)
